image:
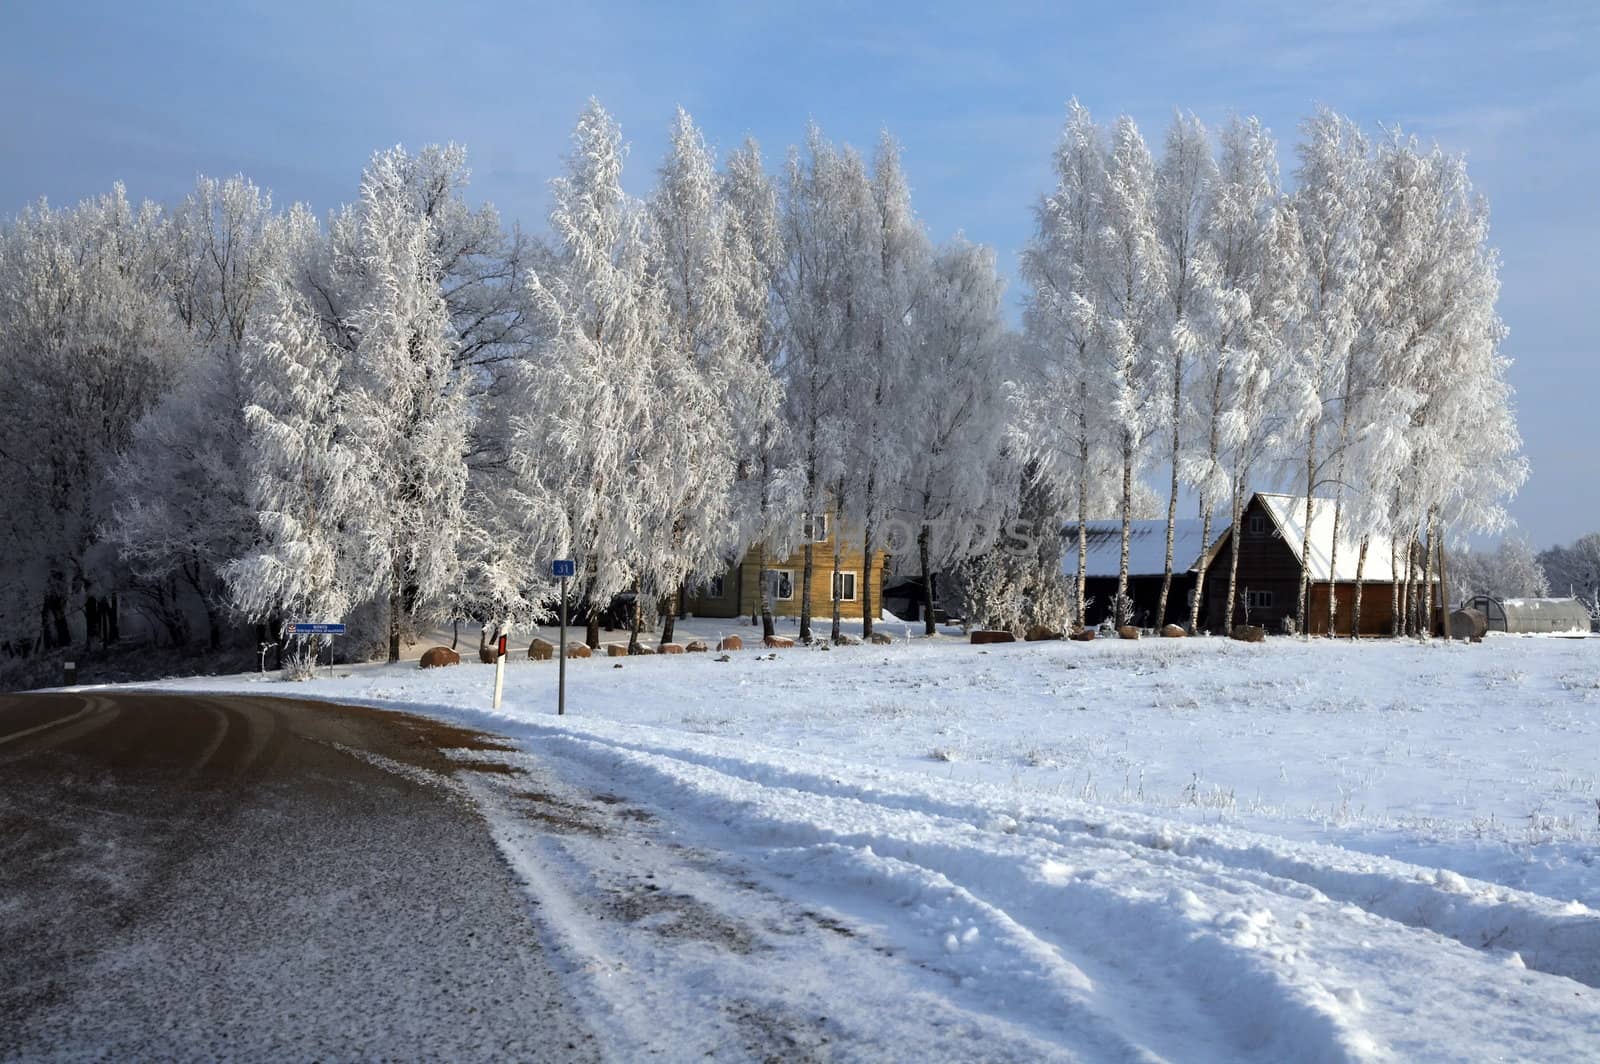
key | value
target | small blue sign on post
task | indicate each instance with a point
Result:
(307, 628)
(315, 628)
(562, 568)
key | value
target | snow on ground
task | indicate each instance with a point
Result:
(1118, 850)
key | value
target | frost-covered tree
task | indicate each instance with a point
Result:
(1511, 570)
(1331, 204)
(753, 250)
(706, 357)
(1259, 411)
(404, 412)
(183, 508)
(1574, 570)
(309, 563)
(1240, 288)
(887, 304)
(90, 344)
(814, 298)
(1132, 281)
(1183, 191)
(1059, 398)
(956, 418)
(585, 430)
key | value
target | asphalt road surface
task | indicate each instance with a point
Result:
(186, 877)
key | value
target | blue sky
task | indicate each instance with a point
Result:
(297, 96)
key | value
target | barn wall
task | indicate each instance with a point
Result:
(1101, 592)
(1266, 563)
(1377, 609)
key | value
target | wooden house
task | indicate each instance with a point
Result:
(737, 591)
(1271, 540)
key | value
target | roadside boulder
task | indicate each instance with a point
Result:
(1082, 635)
(438, 657)
(882, 639)
(1128, 631)
(992, 635)
(640, 651)
(776, 642)
(1038, 633)
(1173, 631)
(578, 650)
(486, 654)
(670, 648)
(616, 650)
(541, 650)
(730, 642)
(1249, 633)
(696, 646)
(846, 641)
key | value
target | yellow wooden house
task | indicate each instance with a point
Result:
(737, 592)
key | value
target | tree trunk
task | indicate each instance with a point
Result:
(864, 592)
(1200, 571)
(1394, 588)
(838, 548)
(1233, 556)
(669, 615)
(1333, 563)
(928, 625)
(1172, 498)
(768, 629)
(1083, 504)
(213, 626)
(1301, 615)
(1361, 572)
(91, 621)
(1444, 601)
(1428, 581)
(805, 590)
(591, 634)
(638, 616)
(1123, 609)
(395, 593)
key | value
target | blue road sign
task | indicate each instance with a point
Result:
(563, 567)
(307, 628)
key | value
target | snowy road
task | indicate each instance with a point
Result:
(761, 858)
(233, 878)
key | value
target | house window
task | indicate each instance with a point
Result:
(844, 587)
(815, 527)
(1258, 600)
(782, 584)
(1258, 524)
(714, 588)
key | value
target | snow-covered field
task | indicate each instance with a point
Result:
(1191, 849)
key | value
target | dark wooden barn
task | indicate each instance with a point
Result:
(1271, 539)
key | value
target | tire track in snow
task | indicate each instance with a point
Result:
(1551, 936)
(1196, 915)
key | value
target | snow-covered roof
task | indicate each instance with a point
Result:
(1147, 548)
(1289, 514)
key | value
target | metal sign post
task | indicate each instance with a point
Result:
(562, 568)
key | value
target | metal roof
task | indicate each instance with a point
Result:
(1147, 547)
(1289, 514)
